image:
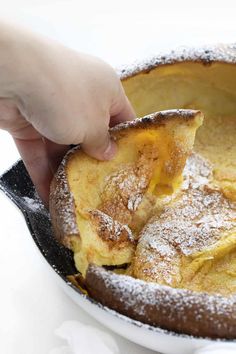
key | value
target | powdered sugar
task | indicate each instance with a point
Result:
(206, 55)
(111, 229)
(134, 202)
(194, 221)
(127, 186)
(62, 203)
(136, 289)
(34, 205)
(181, 309)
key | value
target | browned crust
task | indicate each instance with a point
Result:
(179, 310)
(205, 55)
(61, 205)
(61, 201)
(154, 119)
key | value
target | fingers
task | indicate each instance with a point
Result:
(35, 157)
(121, 110)
(126, 113)
(99, 145)
(30, 146)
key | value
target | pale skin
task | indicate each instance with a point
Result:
(51, 97)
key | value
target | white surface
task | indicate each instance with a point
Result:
(218, 348)
(78, 337)
(150, 338)
(32, 305)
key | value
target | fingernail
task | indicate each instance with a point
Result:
(110, 151)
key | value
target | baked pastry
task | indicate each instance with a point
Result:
(194, 79)
(190, 243)
(184, 263)
(99, 207)
(194, 291)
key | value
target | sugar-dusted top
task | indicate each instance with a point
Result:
(205, 55)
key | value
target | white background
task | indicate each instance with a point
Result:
(32, 306)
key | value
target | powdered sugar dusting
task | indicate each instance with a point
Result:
(194, 221)
(136, 289)
(34, 205)
(111, 229)
(63, 201)
(182, 310)
(124, 191)
(199, 208)
(129, 186)
(206, 55)
(134, 202)
(155, 304)
(197, 172)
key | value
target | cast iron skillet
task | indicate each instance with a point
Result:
(17, 185)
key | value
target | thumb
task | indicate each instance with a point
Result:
(100, 145)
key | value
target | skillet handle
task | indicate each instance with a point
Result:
(217, 348)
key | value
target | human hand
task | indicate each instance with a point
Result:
(51, 97)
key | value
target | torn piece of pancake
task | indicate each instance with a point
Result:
(99, 207)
